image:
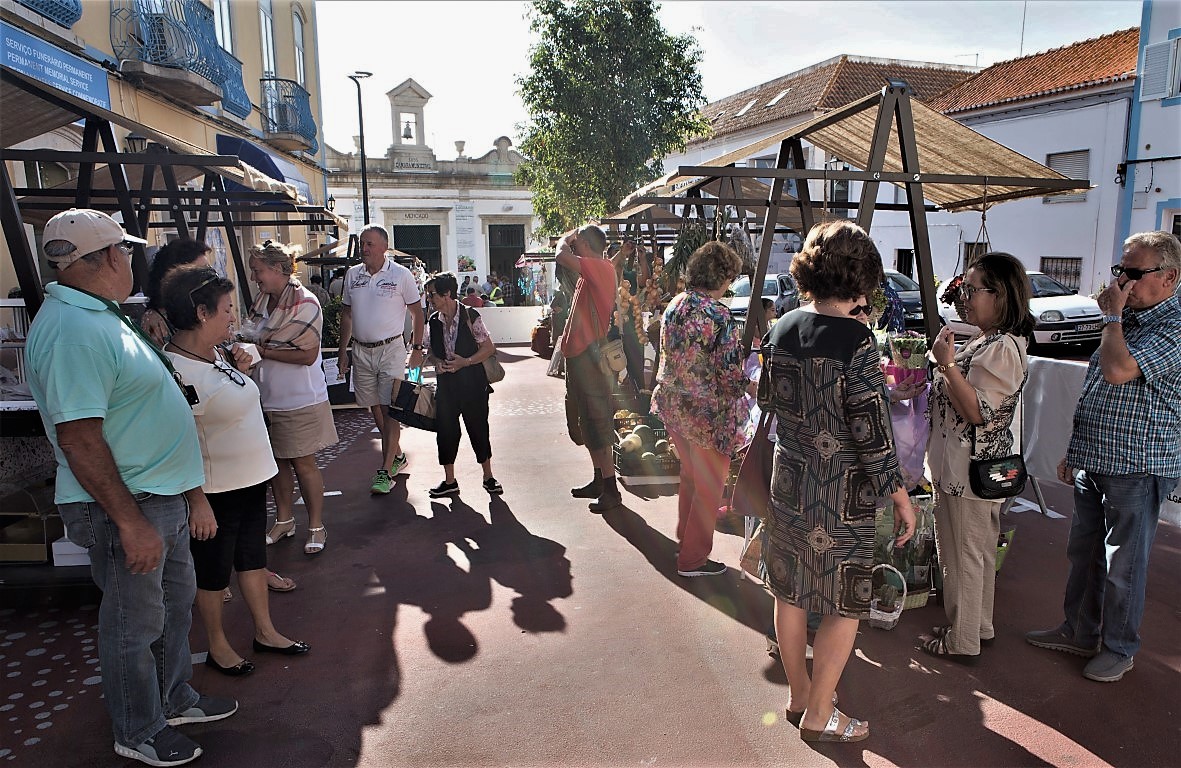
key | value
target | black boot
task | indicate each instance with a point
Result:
(609, 499)
(591, 490)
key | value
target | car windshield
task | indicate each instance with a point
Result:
(1044, 285)
(770, 289)
(901, 282)
(741, 288)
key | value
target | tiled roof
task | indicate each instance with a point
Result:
(826, 85)
(1105, 59)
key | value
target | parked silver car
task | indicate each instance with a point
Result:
(1062, 316)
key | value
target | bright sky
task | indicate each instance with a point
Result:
(467, 55)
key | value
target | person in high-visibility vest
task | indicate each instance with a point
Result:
(496, 295)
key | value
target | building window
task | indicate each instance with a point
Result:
(45, 175)
(838, 189)
(266, 21)
(904, 261)
(1066, 270)
(1074, 165)
(1160, 70)
(221, 24)
(1176, 228)
(973, 251)
(300, 76)
(506, 243)
(421, 240)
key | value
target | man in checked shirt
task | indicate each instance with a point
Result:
(1126, 447)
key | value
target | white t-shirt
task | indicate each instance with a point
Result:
(379, 301)
(235, 447)
(289, 386)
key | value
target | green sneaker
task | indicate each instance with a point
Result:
(400, 462)
(382, 482)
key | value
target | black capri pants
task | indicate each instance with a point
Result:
(240, 543)
(455, 399)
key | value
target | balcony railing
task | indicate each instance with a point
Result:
(63, 12)
(178, 34)
(287, 109)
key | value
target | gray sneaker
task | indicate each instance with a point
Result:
(168, 747)
(1059, 639)
(206, 710)
(1108, 667)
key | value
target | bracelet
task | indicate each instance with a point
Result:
(1109, 319)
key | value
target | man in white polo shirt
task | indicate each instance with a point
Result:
(377, 294)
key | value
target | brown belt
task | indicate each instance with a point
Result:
(373, 344)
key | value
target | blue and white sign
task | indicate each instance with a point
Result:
(49, 64)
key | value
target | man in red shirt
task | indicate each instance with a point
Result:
(471, 298)
(589, 406)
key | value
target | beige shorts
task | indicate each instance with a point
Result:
(301, 432)
(375, 370)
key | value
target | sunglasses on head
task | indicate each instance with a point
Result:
(1132, 272)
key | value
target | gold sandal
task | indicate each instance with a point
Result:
(280, 530)
(317, 538)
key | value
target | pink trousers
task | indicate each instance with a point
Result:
(703, 478)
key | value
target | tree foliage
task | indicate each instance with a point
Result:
(609, 94)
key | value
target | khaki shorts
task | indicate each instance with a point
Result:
(590, 408)
(375, 370)
(301, 432)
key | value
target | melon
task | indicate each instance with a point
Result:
(648, 456)
(631, 444)
(662, 446)
(645, 433)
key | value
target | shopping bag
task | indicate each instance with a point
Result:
(557, 367)
(413, 402)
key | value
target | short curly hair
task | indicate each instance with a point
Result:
(190, 286)
(838, 262)
(275, 254)
(712, 265)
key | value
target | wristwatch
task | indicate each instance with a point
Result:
(1108, 319)
(421, 347)
(945, 367)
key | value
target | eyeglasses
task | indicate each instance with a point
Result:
(861, 309)
(968, 291)
(431, 294)
(234, 374)
(1132, 272)
(213, 279)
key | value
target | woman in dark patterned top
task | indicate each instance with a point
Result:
(976, 392)
(834, 466)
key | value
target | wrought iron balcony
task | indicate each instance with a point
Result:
(287, 115)
(172, 45)
(63, 12)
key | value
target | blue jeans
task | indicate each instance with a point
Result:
(1111, 536)
(144, 620)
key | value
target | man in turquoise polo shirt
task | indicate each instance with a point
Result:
(128, 483)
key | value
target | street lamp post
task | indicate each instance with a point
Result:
(357, 77)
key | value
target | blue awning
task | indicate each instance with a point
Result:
(275, 166)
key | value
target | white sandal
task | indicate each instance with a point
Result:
(830, 732)
(272, 537)
(316, 540)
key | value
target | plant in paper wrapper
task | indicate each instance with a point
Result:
(908, 357)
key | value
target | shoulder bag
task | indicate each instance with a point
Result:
(1003, 477)
(492, 367)
(413, 403)
(752, 487)
(612, 358)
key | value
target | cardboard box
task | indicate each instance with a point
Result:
(66, 552)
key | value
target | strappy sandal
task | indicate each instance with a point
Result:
(943, 630)
(795, 717)
(280, 530)
(937, 646)
(317, 537)
(830, 732)
(226, 595)
(277, 583)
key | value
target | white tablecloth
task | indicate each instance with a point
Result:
(1050, 398)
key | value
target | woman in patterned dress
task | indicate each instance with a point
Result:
(698, 395)
(834, 466)
(975, 393)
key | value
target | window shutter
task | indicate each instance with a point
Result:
(1073, 165)
(1154, 71)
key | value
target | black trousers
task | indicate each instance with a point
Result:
(455, 399)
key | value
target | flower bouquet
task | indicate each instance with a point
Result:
(908, 358)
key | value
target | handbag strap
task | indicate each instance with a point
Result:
(1021, 431)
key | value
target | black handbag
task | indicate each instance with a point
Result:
(999, 478)
(413, 403)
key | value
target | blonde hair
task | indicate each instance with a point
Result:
(277, 255)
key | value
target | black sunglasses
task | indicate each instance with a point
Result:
(1132, 272)
(861, 309)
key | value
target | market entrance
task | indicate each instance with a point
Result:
(422, 241)
(506, 243)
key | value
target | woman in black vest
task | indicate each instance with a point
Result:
(459, 343)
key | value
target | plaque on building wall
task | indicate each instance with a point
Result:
(465, 243)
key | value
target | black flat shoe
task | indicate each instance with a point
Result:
(241, 669)
(298, 648)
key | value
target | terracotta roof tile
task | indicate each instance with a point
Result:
(826, 85)
(1105, 59)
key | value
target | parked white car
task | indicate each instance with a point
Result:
(1062, 316)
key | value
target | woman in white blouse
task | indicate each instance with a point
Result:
(975, 399)
(238, 461)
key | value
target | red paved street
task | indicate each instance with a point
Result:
(526, 631)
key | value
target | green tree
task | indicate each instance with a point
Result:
(609, 94)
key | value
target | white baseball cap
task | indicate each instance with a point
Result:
(88, 230)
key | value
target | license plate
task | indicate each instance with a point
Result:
(1084, 327)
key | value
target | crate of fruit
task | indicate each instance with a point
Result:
(626, 420)
(644, 455)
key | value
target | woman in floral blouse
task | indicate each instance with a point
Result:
(698, 395)
(975, 397)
